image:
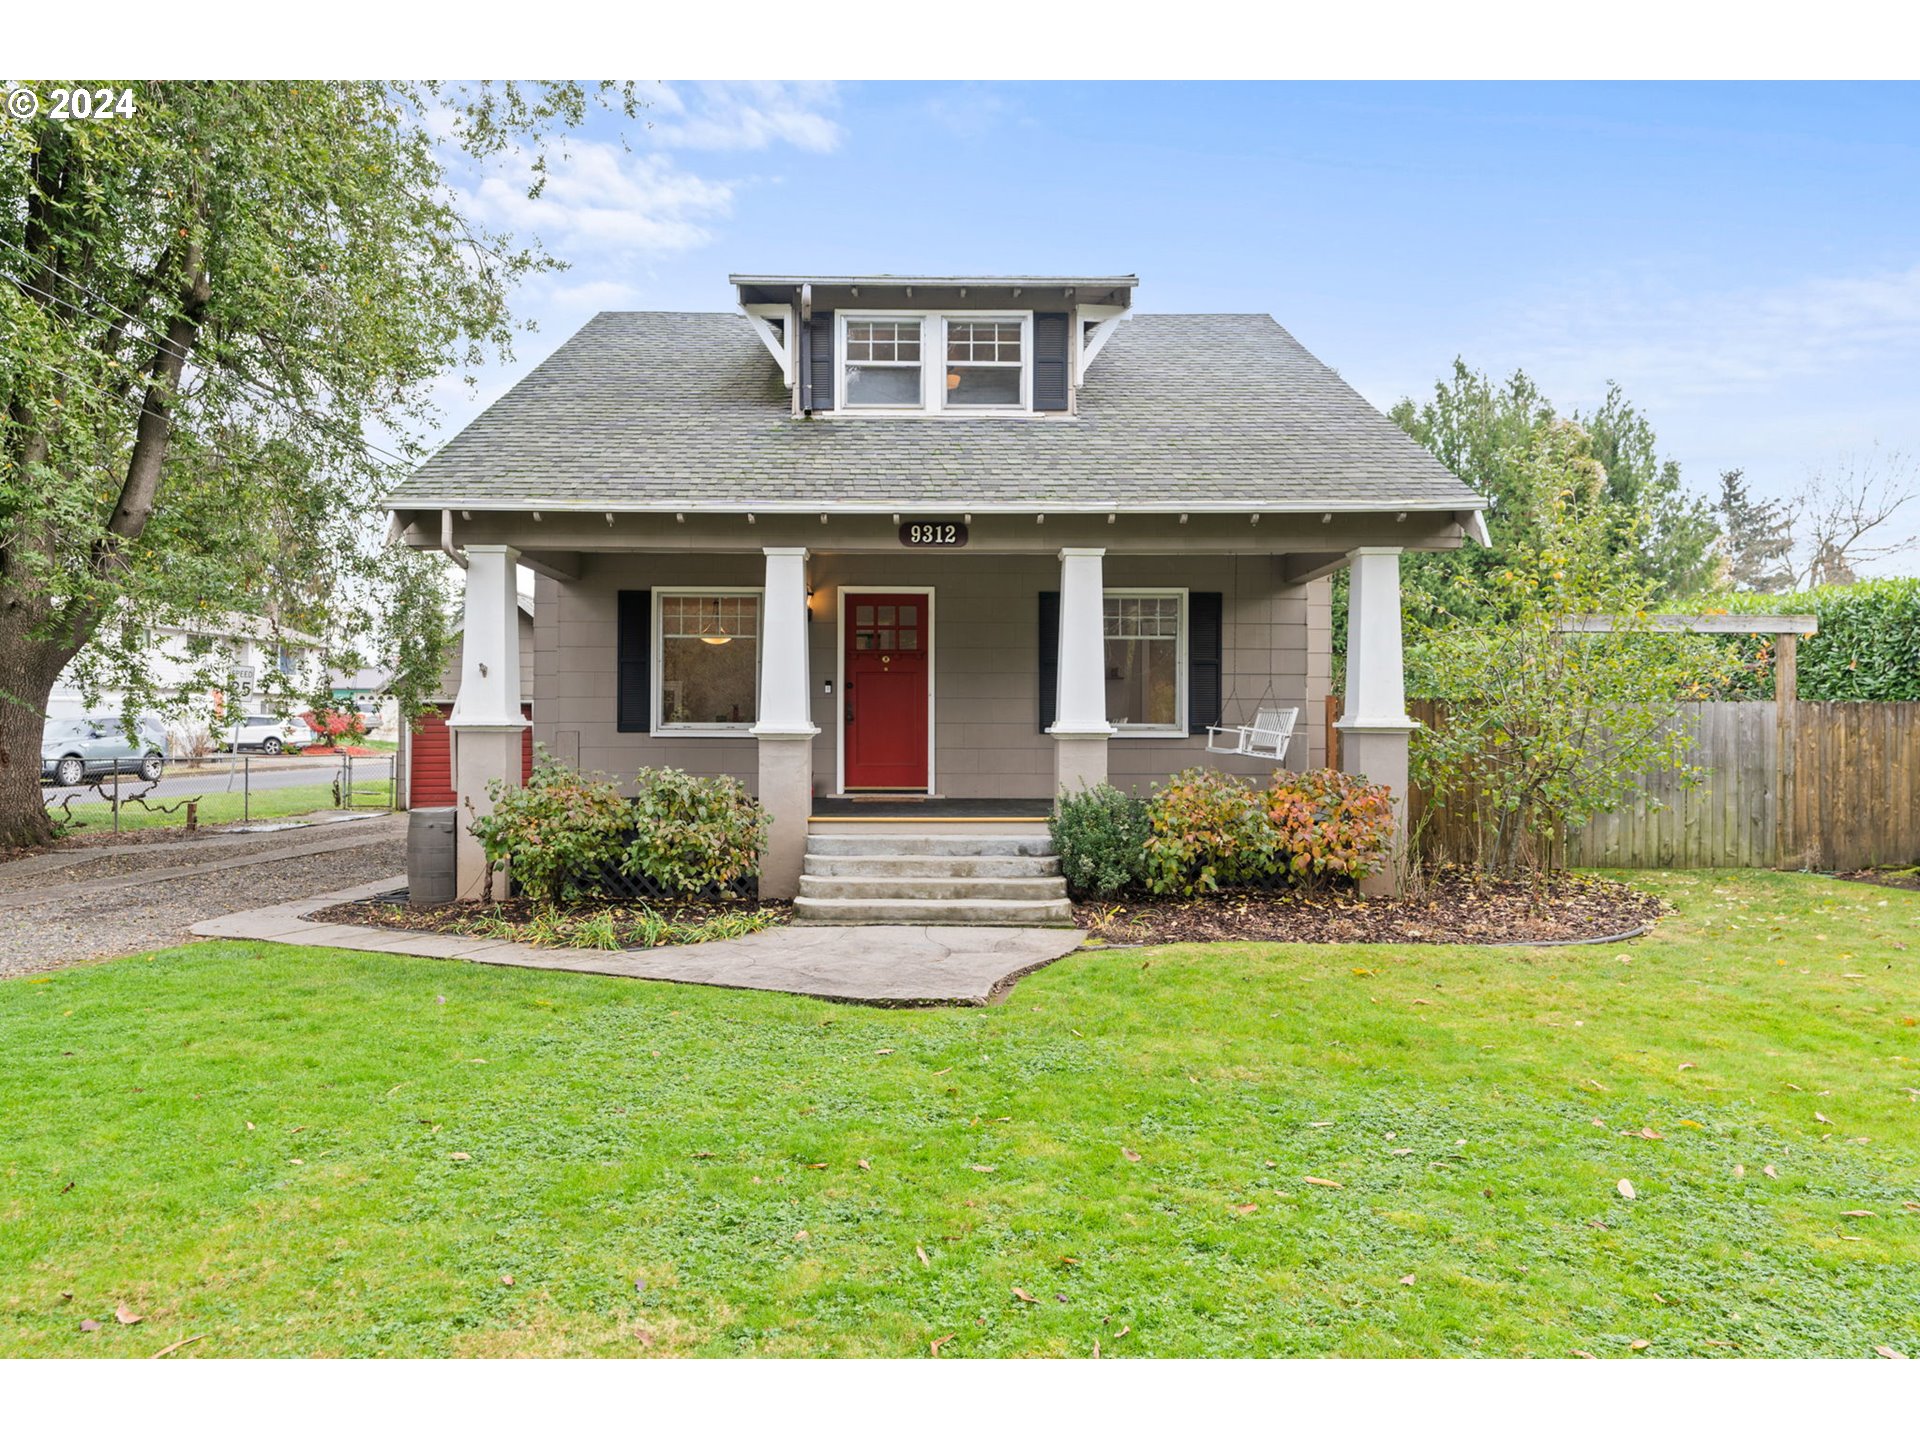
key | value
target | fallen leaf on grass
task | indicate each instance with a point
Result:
(1739, 1172)
(1123, 1330)
(933, 1348)
(1770, 1172)
(1068, 1260)
(1858, 1214)
(802, 1235)
(921, 1252)
(1821, 1118)
(1721, 1344)
(643, 1335)
(1639, 1344)
(864, 1164)
(1318, 1124)
(459, 1155)
(1647, 1132)
(1403, 1150)
(125, 1315)
(1910, 1204)
(89, 1325)
(984, 1169)
(1246, 1209)
(162, 1354)
(506, 1280)
(1627, 1192)
(295, 1162)
(938, 1073)
(1406, 1279)
(1316, 1180)
(1023, 1297)
(886, 1051)
(1132, 1155)
(1688, 1065)
(1583, 1354)
(1887, 1352)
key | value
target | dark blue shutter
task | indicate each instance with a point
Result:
(820, 368)
(1049, 655)
(1050, 350)
(633, 648)
(1204, 626)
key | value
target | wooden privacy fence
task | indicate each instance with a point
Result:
(1795, 784)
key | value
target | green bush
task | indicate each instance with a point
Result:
(1208, 831)
(1101, 837)
(694, 832)
(1327, 822)
(557, 832)
(1868, 647)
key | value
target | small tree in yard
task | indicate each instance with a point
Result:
(1540, 729)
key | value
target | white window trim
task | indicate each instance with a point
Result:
(658, 682)
(1178, 730)
(933, 363)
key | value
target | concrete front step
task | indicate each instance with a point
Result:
(861, 887)
(810, 911)
(975, 845)
(934, 867)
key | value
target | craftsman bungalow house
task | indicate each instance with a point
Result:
(890, 548)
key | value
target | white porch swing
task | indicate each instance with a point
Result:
(1266, 737)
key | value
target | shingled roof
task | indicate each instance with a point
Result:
(655, 410)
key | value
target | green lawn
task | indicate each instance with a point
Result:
(218, 805)
(297, 1152)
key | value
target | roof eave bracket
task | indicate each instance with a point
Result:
(780, 344)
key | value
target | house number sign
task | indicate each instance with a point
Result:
(933, 534)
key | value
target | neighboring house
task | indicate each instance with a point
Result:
(367, 692)
(238, 642)
(425, 761)
(967, 538)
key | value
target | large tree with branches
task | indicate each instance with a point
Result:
(206, 308)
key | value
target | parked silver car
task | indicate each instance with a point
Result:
(75, 751)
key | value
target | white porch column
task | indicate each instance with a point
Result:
(1374, 726)
(486, 723)
(1080, 727)
(785, 729)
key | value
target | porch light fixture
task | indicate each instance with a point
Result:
(719, 635)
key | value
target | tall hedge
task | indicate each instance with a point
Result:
(1868, 647)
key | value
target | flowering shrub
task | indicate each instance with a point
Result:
(1208, 831)
(1326, 822)
(338, 727)
(1101, 836)
(557, 832)
(694, 832)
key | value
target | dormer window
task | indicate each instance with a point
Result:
(883, 365)
(984, 363)
(886, 365)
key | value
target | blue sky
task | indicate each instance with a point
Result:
(1743, 259)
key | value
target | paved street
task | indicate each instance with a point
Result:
(79, 902)
(260, 774)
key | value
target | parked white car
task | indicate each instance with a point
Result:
(268, 734)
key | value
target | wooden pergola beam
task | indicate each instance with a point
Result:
(1701, 624)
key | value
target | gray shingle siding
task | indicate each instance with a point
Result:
(661, 410)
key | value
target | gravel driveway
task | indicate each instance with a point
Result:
(85, 902)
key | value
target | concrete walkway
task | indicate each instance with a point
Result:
(878, 964)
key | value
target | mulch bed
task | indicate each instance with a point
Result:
(457, 917)
(1902, 877)
(1455, 907)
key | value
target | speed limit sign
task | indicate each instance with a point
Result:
(243, 678)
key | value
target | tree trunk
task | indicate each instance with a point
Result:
(28, 668)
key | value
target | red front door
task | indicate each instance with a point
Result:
(886, 700)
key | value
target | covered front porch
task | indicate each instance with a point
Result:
(848, 675)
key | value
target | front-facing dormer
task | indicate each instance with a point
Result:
(934, 346)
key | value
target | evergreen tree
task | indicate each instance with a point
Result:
(1757, 538)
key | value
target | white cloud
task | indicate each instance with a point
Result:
(601, 198)
(1689, 345)
(746, 115)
